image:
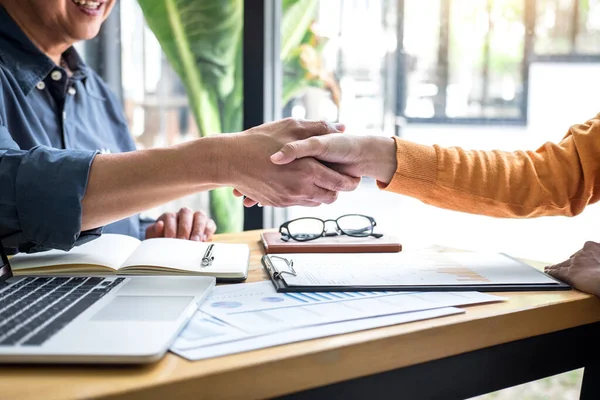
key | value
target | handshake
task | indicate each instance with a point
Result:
(294, 162)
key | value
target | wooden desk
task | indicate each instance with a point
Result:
(487, 348)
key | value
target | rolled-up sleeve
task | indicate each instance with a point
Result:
(41, 191)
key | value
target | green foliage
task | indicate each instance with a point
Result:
(202, 39)
(301, 52)
(297, 17)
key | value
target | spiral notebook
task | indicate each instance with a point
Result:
(453, 271)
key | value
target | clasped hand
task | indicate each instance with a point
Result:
(305, 182)
(352, 157)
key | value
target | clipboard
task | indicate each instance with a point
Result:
(277, 276)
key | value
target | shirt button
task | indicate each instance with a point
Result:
(41, 85)
(72, 91)
(56, 75)
(64, 115)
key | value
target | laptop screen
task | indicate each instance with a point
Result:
(5, 271)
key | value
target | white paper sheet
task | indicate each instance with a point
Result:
(249, 316)
(220, 339)
(411, 269)
(257, 308)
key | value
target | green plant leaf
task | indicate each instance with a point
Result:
(200, 39)
(297, 17)
(227, 210)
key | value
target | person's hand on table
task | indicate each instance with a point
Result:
(582, 270)
(305, 182)
(185, 224)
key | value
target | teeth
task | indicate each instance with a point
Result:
(87, 4)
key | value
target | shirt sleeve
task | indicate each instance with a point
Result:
(556, 179)
(40, 196)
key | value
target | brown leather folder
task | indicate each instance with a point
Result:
(335, 244)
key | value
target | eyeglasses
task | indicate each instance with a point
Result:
(309, 228)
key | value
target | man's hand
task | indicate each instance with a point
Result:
(358, 156)
(582, 270)
(305, 182)
(186, 224)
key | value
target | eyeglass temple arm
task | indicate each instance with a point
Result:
(285, 233)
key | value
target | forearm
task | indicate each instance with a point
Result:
(557, 179)
(120, 185)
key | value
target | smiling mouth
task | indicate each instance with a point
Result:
(90, 5)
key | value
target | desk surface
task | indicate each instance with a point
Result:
(294, 367)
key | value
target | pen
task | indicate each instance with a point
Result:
(208, 257)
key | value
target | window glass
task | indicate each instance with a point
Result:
(486, 59)
(588, 32)
(335, 57)
(155, 102)
(421, 52)
(554, 26)
(567, 27)
(464, 60)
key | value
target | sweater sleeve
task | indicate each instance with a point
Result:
(556, 179)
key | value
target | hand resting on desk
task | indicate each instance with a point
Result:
(581, 270)
(185, 224)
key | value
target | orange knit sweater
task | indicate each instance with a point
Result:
(556, 179)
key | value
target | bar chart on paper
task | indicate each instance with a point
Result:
(256, 307)
(461, 274)
(237, 299)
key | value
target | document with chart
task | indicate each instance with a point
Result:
(405, 271)
(244, 317)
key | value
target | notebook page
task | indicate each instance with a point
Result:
(186, 255)
(391, 269)
(109, 250)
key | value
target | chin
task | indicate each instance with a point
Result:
(86, 33)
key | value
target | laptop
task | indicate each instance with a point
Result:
(93, 319)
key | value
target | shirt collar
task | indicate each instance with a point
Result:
(25, 61)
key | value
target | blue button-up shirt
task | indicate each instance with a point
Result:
(51, 127)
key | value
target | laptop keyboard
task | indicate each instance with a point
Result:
(35, 309)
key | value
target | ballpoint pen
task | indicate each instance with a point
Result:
(208, 257)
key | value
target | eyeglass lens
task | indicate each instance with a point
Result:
(355, 225)
(306, 228)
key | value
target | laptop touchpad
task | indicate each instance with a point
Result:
(143, 308)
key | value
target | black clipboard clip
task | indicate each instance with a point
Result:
(277, 273)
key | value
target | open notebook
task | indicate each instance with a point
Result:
(121, 254)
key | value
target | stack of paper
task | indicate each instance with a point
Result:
(250, 316)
